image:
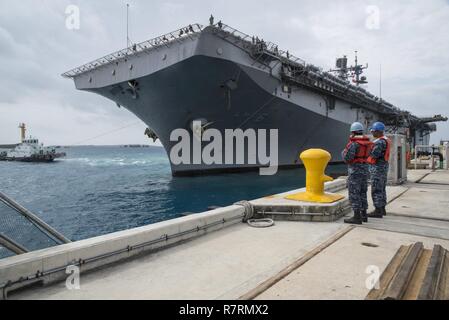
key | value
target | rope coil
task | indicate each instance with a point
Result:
(249, 214)
(261, 223)
(249, 209)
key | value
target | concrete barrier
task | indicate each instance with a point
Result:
(281, 208)
(49, 265)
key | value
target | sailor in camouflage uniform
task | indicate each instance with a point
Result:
(356, 155)
(379, 166)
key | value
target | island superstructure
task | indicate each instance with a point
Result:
(226, 79)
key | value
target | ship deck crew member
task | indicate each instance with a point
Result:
(356, 156)
(378, 167)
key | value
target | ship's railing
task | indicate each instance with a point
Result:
(233, 32)
(288, 58)
(224, 31)
(270, 47)
(316, 79)
(158, 42)
(22, 231)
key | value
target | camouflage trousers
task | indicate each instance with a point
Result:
(379, 173)
(358, 186)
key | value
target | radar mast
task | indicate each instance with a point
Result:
(355, 72)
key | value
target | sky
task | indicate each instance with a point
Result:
(410, 39)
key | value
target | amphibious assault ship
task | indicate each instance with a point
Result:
(226, 79)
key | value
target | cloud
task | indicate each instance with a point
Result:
(36, 47)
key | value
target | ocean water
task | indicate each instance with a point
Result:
(99, 190)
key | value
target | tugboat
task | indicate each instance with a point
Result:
(30, 150)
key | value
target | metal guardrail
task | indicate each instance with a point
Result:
(5, 253)
(11, 245)
(22, 231)
(33, 218)
(146, 46)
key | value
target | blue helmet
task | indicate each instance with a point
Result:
(378, 126)
(356, 127)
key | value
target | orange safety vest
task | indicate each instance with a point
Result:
(372, 160)
(365, 146)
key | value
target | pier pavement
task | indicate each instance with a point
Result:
(291, 260)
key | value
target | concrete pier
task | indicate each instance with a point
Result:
(291, 260)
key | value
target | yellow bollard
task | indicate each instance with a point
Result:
(315, 162)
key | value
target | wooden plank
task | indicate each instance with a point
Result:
(443, 288)
(430, 281)
(388, 273)
(415, 273)
(401, 280)
(415, 284)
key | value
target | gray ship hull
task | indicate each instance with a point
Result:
(189, 80)
(172, 98)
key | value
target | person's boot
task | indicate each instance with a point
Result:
(356, 219)
(384, 212)
(376, 213)
(364, 215)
